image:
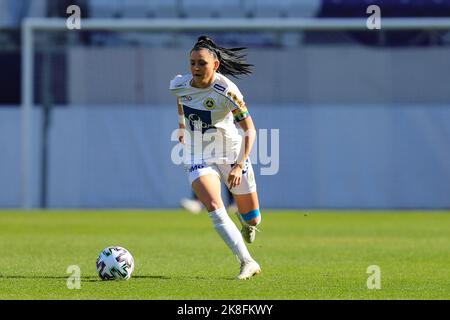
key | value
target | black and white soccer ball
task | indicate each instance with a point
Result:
(115, 263)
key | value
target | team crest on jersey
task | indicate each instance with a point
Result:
(209, 103)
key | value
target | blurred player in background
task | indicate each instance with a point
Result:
(210, 102)
(193, 205)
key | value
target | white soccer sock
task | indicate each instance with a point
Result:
(228, 231)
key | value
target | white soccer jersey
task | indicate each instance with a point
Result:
(209, 115)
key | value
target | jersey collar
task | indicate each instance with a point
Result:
(208, 87)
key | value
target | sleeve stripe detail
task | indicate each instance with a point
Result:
(234, 103)
(239, 110)
(240, 115)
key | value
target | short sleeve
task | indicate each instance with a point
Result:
(237, 104)
(178, 84)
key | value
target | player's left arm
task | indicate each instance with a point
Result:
(235, 176)
(249, 139)
(242, 118)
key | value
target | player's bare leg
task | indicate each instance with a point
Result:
(207, 189)
(248, 215)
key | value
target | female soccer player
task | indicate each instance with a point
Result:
(208, 105)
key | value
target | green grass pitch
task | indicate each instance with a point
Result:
(303, 255)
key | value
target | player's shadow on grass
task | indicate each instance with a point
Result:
(97, 279)
(151, 277)
(83, 278)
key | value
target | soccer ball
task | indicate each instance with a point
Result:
(115, 263)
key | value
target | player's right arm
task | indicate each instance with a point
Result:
(177, 86)
(181, 122)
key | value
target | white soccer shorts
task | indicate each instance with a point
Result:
(248, 183)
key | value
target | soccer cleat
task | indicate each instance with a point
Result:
(248, 232)
(193, 206)
(248, 270)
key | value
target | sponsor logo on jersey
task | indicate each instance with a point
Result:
(186, 98)
(219, 87)
(209, 103)
(196, 167)
(198, 119)
(197, 123)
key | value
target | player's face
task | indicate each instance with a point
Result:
(203, 65)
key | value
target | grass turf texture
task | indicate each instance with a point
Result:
(319, 255)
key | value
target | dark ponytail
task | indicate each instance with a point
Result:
(232, 60)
